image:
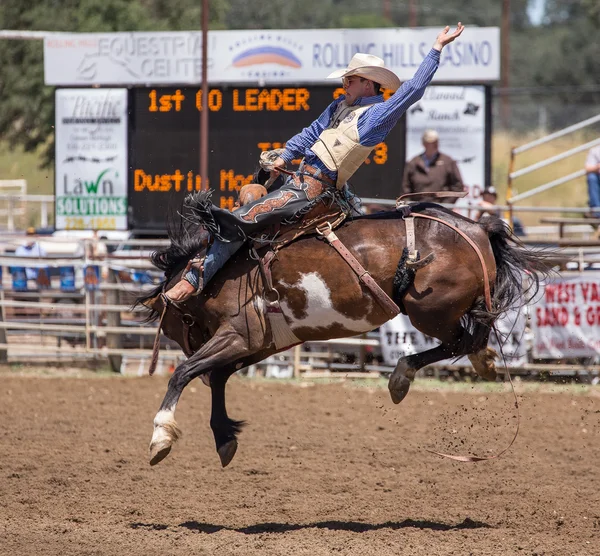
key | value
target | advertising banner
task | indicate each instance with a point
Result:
(458, 114)
(400, 338)
(91, 159)
(566, 320)
(261, 56)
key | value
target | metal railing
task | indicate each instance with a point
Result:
(30, 209)
(55, 326)
(511, 199)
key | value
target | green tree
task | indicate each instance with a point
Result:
(27, 114)
(281, 14)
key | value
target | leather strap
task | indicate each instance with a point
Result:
(156, 346)
(390, 308)
(282, 334)
(306, 169)
(409, 221)
(486, 279)
(264, 264)
(434, 194)
(186, 319)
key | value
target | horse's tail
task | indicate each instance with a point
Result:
(519, 269)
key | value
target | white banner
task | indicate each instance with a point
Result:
(566, 320)
(91, 159)
(261, 56)
(458, 115)
(399, 338)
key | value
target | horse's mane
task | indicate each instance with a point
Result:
(185, 243)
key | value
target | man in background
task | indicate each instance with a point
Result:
(431, 171)
(489, 198)
(592, 168)
(31, 249)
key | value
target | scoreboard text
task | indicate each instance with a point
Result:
(243, 122)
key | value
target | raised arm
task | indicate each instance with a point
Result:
(382, 117)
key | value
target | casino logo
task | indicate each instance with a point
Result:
(266, 55)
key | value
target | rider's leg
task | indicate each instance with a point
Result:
(276, 206)
(203, 270)
(190, 283)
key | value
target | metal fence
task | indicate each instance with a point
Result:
(58, 321)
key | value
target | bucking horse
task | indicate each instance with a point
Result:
(452, 276)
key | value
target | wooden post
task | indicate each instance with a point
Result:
(113, 318)
(3, 352)
(362, 354)
(297, 362)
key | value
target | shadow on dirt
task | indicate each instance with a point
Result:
(353, 526)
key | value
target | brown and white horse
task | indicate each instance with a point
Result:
(225, 328)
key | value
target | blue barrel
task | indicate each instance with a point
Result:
(91, 277)
(19, 278)
(67, 278)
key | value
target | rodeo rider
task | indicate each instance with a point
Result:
(333, 147)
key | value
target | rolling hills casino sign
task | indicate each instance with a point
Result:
(124, 171)
(265, 56)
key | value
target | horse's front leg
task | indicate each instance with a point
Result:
(221, 351)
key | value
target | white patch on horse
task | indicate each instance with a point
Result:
(319, 311)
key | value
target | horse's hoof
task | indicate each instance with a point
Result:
(227, 451)
(158, 452)
(399, 389)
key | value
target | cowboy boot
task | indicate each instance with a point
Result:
(190, 284)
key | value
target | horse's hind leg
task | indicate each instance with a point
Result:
(456, 341)
(224, 429)
(407, 367)
(221, 351)
(483, 362)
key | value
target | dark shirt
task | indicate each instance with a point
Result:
(441, 175)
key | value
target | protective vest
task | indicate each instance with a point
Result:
(338, 145)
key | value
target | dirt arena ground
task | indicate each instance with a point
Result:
(321, 469)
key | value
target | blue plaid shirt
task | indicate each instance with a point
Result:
(373, 124)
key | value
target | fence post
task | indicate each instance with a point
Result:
(297, 362)
(3, 352)
(44, 214)
(113, 318)
(11, 214)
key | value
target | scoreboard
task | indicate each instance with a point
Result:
(164, 144)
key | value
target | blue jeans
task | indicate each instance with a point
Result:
(593, 183)
(218, 254)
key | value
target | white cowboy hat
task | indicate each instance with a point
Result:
(370, 67)
(430, 136)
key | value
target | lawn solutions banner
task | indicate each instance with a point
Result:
(399, 338)
(566, 320)
(91, 159)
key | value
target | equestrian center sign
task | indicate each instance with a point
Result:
(264, 87)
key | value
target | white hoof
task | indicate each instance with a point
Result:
(163, 438)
